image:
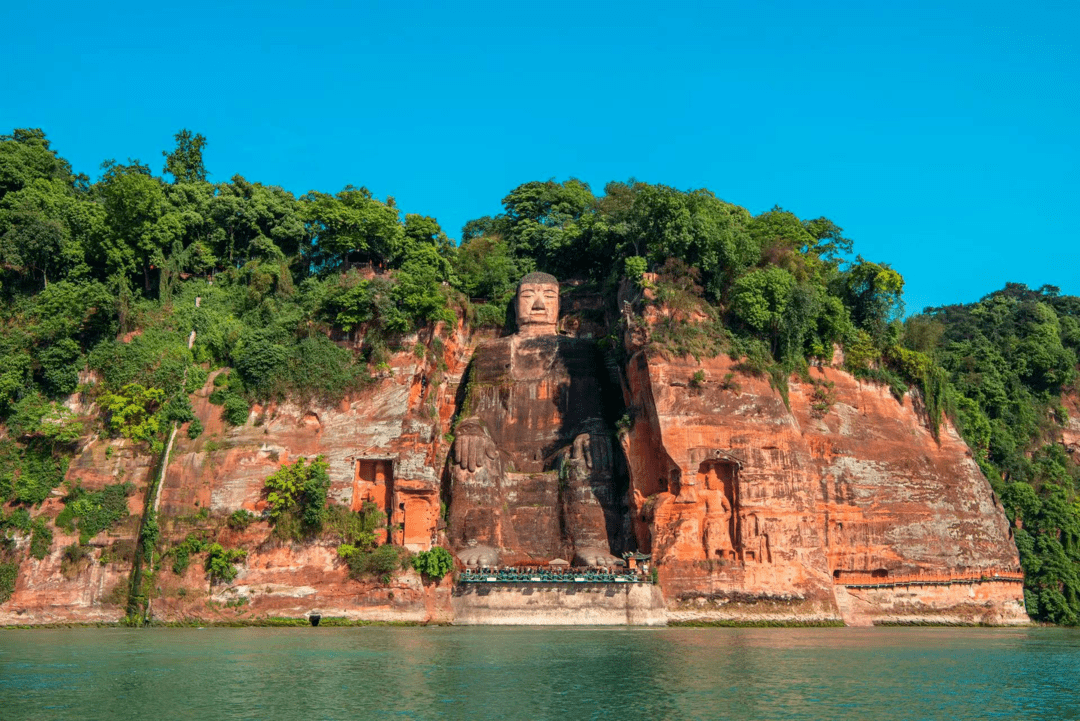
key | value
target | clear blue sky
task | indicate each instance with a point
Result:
(942, 136)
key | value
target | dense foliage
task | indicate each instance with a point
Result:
(381, 562)
(221, 562)
(183, 551)
(300, 490)
(103, 284)
(1011, 361)
(94, 512)
(435, 563)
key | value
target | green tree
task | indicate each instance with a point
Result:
(47, 229)
(255, 221)
(874, 293)
(142, 223)
(418, 291)
(352, 226)
(435, 563)
(132, 412)
(698, 228)
(33, 245)
(221, 562)
(185, 162)
(60, 366)
(761, 297)
(484, 267)
(26, 155)
(546, 221)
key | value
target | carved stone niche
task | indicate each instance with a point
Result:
(716, 487)
(373, 482)
(755, 539)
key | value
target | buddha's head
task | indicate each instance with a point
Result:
(538, 304)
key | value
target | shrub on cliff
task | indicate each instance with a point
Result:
(221, 562)
(382, 562)
(29, 473)
(41, 539)
(195, 429)
(17, 520)
(183, 551)
(73, 559)
(235, 410)
(9, 573)
(299, 489)
(435, 563)
(94, 512)
(133, 413)
(356, 530)
(240, 519)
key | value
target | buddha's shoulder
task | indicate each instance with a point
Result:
(515, 355)
(492, 358)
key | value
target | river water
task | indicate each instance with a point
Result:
(539, 673)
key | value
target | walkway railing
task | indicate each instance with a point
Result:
(866, 579)
(536, 575)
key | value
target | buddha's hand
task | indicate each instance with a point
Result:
(473, 447)
(594, 448)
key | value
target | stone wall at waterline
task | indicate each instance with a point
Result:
(563, 604)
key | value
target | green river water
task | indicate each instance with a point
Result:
(539, 673)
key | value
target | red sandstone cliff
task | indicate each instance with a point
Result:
(853, 510)
(752, 511)
(383, 444)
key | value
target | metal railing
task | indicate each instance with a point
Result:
(545, 575)
(866, 579)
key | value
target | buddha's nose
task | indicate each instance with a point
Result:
(538, 304)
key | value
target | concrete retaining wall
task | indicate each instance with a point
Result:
(549, 604)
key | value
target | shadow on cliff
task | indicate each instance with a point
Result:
(592, 394)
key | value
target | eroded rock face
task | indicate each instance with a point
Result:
(842, 507)
(94, 587)
(382, 445)
(754, 510)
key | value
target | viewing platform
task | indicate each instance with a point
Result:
(517, 575)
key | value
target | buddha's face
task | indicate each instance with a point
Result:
(538, 306)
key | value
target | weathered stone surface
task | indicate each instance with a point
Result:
(745, 503)
(49, 591)
(52, 591)
(631, 604)
(293, 581)
(754, 512)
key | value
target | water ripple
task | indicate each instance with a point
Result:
(539, 673)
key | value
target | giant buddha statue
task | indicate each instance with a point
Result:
(532, 470)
